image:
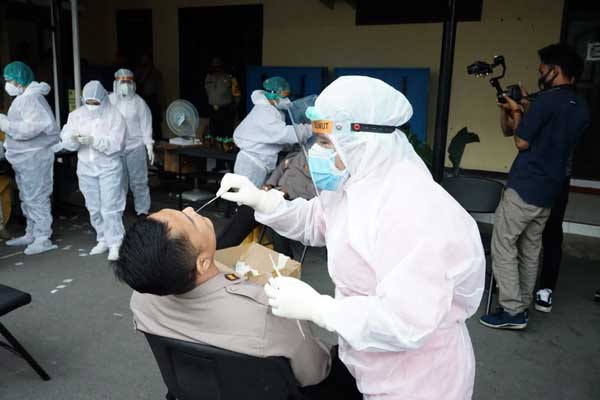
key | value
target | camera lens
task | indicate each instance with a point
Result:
(472, 69)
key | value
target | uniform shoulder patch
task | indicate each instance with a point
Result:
(232, 277)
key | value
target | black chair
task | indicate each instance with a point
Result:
(10, 300)
(193, 371)
(477, 195)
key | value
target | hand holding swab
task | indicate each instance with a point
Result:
(279, 275)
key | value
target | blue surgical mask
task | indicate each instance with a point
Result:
(321, 162)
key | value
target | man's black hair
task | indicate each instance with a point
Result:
(153, 260)
(565, 57)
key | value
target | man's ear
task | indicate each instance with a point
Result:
(558, 71)
(202, 265)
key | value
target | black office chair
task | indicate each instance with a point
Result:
(193, 371)
(10, 300)
(477, 195)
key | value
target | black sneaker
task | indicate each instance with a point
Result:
(503, 320)
(543, 300)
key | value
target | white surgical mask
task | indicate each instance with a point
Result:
(12, 89)
(92, 107)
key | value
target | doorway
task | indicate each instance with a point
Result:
(233, 33)
(134, 36)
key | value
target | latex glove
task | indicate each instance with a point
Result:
(85, 139)
(304, 132)
(150, 151)
(247, 194)
(57, 147)
(292, 298)
(3, 123)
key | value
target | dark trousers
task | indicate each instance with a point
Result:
(280, 244)
(241, 225)
(552, 240)
(221, 125)
(221, 121)
(339, 384)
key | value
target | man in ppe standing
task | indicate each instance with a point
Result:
(31, 131)
(405, 257)
(263, 133)
(97, 131)
(138, 141)
(223, 95)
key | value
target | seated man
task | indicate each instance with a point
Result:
(291, 177)
(168, 259)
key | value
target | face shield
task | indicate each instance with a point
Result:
(124, 88)
(124, 84)
(324, 163)
(338, 146)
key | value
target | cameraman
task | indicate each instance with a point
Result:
(545, 133)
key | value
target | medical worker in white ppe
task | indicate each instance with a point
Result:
(97, 131)
(139, 149)
(406, 259)
(264, 132)
(31, 131)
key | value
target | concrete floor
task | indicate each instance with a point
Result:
(83, 333)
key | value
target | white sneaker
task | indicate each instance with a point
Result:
(24, 240)
(99, 248)
(39, 246)
(543, 300)
(113, 253)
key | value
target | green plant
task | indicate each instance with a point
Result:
(422, 149)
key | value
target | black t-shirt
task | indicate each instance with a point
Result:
(555, 122)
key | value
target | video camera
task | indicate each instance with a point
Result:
(481, 68)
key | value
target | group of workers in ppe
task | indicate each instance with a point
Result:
(112, 136)
(406, 259)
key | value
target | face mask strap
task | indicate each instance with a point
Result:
(546, 84)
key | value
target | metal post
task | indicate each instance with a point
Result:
(61, 89)
(444, 91)
(55, 68)
(4, 55)
(76, 65)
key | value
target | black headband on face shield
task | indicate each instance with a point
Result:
(360, 127)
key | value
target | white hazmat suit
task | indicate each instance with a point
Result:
(31, 131)
(260, 137)
(406, 259)
(138, 143)
(100, 166)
